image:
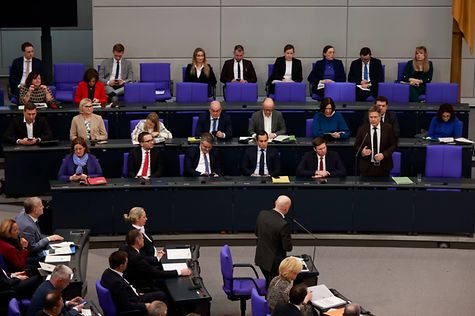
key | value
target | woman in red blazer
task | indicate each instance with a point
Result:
(12, 248)
(91, 88)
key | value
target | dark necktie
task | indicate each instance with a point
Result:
(382, 118)
(215, 125)
(117, 71)
(239, 70)
(261, 163)
(145, 164)
(320, 167)
(205, 158)
(375, 141)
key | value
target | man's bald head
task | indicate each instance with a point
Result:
(215, 109)
(352, 310)
(268, 106)
(282, 204)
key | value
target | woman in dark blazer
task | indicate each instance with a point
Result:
(286, 69)
(79, 164)
(327, 70)
(200, 71)
(138, 218)
(90, 87)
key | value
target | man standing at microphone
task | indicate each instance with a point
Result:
(378, 142)
(273, 238)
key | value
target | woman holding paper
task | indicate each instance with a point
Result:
(90, 87)
(12, 247)
(279, 287)
(138, 218)
(79, 164)
(327, 70)
(328, 123)
(445, 123)
(152, 125)
(86, 124)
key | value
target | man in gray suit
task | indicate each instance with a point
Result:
(115, 72)
(268, 120)
(29, 229)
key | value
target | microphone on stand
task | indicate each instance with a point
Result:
(358, 152)
(311, 234)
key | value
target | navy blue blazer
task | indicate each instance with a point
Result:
(16, 72)
(224, 125)
(38, 299)
(375, 71)
(317, 72)
(249, 161)
(192, 158)
(310, 161)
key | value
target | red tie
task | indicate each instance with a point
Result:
(145, 165)
(320, 167)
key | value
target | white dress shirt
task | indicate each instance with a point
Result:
(25, 73)
(267, 123)
(288, 70)
(201, 164)
(236, 69)
(373, 147)
(114, 67)
(266, 171)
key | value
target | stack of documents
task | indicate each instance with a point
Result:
(178, 254)
(323, 298)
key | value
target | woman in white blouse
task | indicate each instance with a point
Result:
(152, 125)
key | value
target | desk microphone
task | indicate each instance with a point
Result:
(311, 234)
(358, 152)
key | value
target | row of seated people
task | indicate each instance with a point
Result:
(327, 123)
(21, 241)
(366, 72)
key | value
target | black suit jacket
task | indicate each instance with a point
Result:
(122, 294)
(317, 72)
(224, 125)
(192, 158)
(16, 72)
(148, 250)
(286, 309)
(248, 73)
(279, 70)
(17, 130)
(141, 273)
(388, 143)
(211, 80)
(273, 240)
(310, 162)
(249, 161)
(389, 118)
(375, 73)
(135, 161)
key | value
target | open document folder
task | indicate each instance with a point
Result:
(323, 298)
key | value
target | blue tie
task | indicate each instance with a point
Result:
(215, 125)
(365, 73)
(206, 164)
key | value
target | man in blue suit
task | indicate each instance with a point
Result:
(21, 68)
(29, 229)
(216, 122)
(320, 163)
(261, 160)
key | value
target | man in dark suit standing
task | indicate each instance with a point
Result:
(28, 129)
(144, 161)
(261, 160)
(216, 122)
(202, 160)
(29, 228)
(376, 142)
(367, 72)
(238, 69)
(273, 238)
(125, 296)
(321, 163)
(21, 68)
(267, 119)
(139, 272)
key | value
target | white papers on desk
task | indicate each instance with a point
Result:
(178, 253)
(86, 312)
(47, 267)
(320, 85)
(463, 140)
(41, 105)
(61, 244)
(159, 92)
(362, 88)
(281, 138)
(446, 139)
(174, 266)
(50, 258)
(323, 298)
(61, 251)
(304, 265)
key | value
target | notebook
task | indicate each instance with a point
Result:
(323, 298)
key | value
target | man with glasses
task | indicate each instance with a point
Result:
(267, 119)
(366, 72)
(202, 160)
(216, 122)
(144, 161)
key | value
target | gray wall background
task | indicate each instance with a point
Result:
(169, 31)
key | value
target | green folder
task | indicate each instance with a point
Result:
(402, 180)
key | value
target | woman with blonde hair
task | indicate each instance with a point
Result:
(279, 287)
(417, 73)
(152, 125)
(86, 124)
(200, 71)
(12, 247)
(138, 218)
